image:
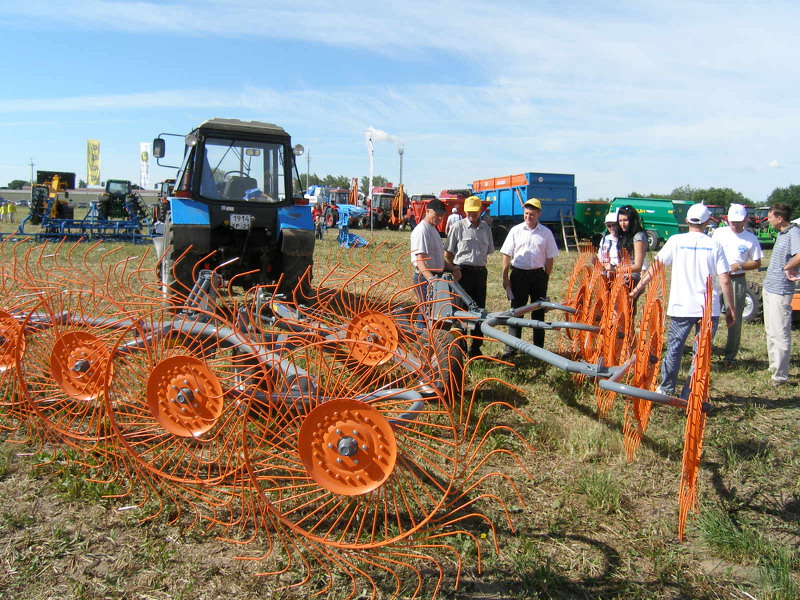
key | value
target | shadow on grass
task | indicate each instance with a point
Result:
(534, 575)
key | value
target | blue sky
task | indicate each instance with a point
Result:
(628, 96)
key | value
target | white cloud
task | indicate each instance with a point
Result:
(775, 164)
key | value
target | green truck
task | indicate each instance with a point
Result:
(661, 217)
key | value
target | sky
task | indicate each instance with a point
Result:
(627, 96)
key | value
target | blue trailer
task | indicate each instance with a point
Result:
(507, 195)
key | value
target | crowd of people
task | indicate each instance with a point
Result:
(529, 251)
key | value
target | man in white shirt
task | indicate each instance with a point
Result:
(452, 220)
(528, 252)
(743, 251)
(694, 256)
(427, 252)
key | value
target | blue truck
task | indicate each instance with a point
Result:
(507, 195)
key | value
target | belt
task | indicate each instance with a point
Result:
(737, 275)
(470, 268)
(527, 270)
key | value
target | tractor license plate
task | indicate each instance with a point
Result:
(244, 222)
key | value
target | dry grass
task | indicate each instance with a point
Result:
(593, 526)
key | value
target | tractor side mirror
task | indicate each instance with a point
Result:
(159, 148)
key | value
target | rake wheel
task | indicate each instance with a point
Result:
(381, 333)
(67, 351)
(177, 399)
(308, 462)
(12, 342)
(696, 416)
(648, 348)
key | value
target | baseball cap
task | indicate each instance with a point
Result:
(698, 214)
(737, 212)
(454, 210)
(534, 202)
(611, 217)
(437, 206)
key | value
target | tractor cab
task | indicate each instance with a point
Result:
(233, 200)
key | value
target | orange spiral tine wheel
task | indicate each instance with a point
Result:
(696, 416)
(615, 333)
(69, 336)
(344, 460)
(178, 394)
(648, 348)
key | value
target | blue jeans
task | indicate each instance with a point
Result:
(679, 330)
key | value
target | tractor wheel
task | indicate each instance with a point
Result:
(499, 233)
(331, 218)
(176, 271)
(294, 269)
(753, 310)
(652, 240)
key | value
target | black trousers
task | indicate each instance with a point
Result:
(527, 287)
(473, 280)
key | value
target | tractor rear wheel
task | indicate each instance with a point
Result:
(753, 310)
(176, 271)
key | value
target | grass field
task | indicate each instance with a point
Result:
(593, 526)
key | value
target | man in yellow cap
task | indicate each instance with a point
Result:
(528, 252)
(469, 243)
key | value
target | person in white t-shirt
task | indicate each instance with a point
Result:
(452, 220)
(743, 251)
(607, 253)
(694, 257)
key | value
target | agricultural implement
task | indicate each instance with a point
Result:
(328, 431)
(118, 214)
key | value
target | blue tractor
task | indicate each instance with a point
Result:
(232, 208)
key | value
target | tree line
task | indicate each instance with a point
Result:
(340, 181)
(726, 196)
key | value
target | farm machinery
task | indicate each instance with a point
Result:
(233, 194)
(327, 428)
(118, 214)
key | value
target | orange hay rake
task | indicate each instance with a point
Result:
(328, 433)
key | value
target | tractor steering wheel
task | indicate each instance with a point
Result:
(235, 172)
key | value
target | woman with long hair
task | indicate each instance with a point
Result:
(632, 239)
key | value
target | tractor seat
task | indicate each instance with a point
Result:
(237, 185)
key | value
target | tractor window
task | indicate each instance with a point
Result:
(118, 188)
(243, 170)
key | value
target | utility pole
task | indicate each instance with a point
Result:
(32, 165)
(308, 166)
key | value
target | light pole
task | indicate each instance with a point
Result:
(32, 165)
(400, 149)
(308, 166)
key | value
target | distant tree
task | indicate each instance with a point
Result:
(81, 183)
(684, 192)
(719, 196)
(377, 181)
(788, 195)
(337, 181)
(17, 184)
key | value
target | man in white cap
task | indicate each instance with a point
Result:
(607, 253)
(743, 251)
(452, 220)
(694, 257)
(528, 253)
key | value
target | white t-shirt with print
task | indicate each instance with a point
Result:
(739, 247)
(693, 256)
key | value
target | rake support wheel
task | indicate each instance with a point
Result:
(695, 417)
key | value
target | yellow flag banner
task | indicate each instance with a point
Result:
(93, 162)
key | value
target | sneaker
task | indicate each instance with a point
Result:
(662, 390)
(779, 382)
(508, 355)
